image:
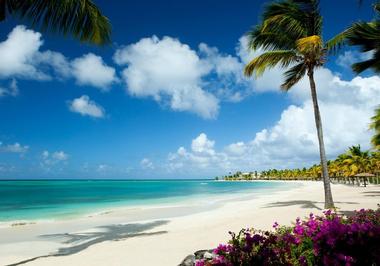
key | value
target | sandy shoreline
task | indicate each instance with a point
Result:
(157, 237)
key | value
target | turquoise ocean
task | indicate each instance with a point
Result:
(51, 199)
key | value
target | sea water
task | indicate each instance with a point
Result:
(52, 199)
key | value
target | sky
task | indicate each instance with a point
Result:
(167, 99)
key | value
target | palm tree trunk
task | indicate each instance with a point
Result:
(329, 203)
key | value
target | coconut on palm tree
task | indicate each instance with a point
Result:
(81, 19)
(290, 35)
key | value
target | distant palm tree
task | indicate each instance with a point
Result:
(357, 161)
(80, 18)
(290, 35)
(375, 124)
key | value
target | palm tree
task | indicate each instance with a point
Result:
(290, 35)
(357, 161)
(376, 126)
(80, 18)
(366, 36)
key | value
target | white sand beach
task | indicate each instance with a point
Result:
(157, 237)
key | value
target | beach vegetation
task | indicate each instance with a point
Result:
(355, 166)
(329, 239)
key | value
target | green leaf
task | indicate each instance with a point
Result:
(293, 75)
(80, 18)
(269, 60)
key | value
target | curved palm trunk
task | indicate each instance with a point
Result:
(329, 203)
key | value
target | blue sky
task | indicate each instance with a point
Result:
(167, 99)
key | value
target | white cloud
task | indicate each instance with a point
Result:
(11, 90)
(17, 54)
(146, 164)
(202, 144)
(60, 156)
(229, 83)
(168, 71)
(21, 58)
(346, 108)
(57, 61)
(14, 148)
(202, 156)
(189, 80)
(91, 70)
(52, 159)
(350, 57)
(238, 148)
(84, 106)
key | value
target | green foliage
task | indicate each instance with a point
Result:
(375, 124)
(80, 18)
(289, 34)
(366, 36)
(354, 161)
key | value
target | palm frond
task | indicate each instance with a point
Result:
(362, 66)
(293, 75)
(79, 18)
(313, 20)
(365, 34)
(375, 124)
(304, 15)
(286, 24)
(375, 141)
(269, 60)
(268, 40)
(338, 41)
(372, 63)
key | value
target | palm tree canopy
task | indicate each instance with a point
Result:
(290, 35)
(366, 36)
(80, 18)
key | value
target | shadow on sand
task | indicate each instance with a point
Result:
(371, 193)
(80, 241)
(305, 204)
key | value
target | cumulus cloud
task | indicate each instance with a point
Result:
(91, 70)
(13, 148)
(22, 58)
(17, 53)
(168, 71)
(201, 156)
(202, 144)
(86, 107)
(346, 107)
(186, 79)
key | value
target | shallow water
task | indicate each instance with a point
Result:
(51, 199)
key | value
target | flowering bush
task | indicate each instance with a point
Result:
(318, 240)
